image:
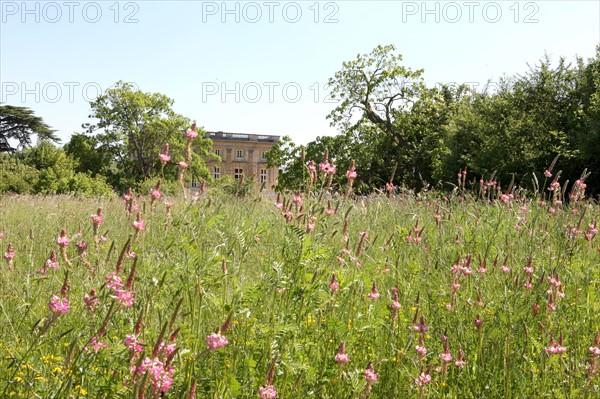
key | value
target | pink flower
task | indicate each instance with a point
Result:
(267, 392)
(97, 218)
(547, 173)
(138, 224)
(216, 341)
(191, 134)
(374, 294)
(1, 235)
(131, 341)
(351, 172)
(59, 306)
(63, 240)
(114, 282)
(423, 379)
(156, 194)
(10, 253)
(421, 350)
(183, 165)
(125, 298)
(90, 300)
(341, 356)
(296, 199)
(164, 157)
(389, 187)
(333, 284)
(370, 374)
(96, 345)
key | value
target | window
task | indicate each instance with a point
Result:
(239, 154)
(263, 155)
(238, 173)
(217, 152)
(263, 176)
(195, 183)
(217, 172)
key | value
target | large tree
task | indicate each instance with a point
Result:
(387, 107)
(20, 124)
(133, 127)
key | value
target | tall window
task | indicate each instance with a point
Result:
(217, 152)
(195, 182)
(217, 172)
(263, 155)
(263, 176)
(239, 154)
(238, 173)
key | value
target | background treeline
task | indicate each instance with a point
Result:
(391, 121)
(395, 127)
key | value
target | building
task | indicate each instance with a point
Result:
(243, 155)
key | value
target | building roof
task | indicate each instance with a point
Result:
(241, 137)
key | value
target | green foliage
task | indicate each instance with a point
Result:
(132, 129)
(45, 169)
(200, 262)
(20, 124)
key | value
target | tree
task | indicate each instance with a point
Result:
(388, 107)
(132, 129)
(20, 124)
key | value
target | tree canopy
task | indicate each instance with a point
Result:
(21, 124)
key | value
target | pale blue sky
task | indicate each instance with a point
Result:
(265, 73)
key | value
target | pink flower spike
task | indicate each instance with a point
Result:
(341, 357)
(59, 306)
(423, 379)
(267, 392)
(216, 341)
(370, 374)
(191, 134)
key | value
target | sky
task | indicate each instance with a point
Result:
(262, 67)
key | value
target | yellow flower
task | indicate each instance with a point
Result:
(41, 378)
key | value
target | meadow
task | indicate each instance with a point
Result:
(478, 293)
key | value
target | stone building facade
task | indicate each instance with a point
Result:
(243, 155)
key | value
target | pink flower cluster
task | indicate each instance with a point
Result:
(58, 306)
(216, 341)
(162, 378)
(124, 297)
(267, 392)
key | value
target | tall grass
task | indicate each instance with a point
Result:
(236, 267)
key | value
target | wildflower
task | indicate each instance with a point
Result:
(423, 379)
(58, 306)
(351, 172)
(370, 374)
(10, 253)
(216, 341)
(183, 165)
(97, 218)
(395, 303)
(555, 348)
(478, 322)
(389, 187)
(63, 241)
(96, 345)
(267, 392)
(333, 284)
(155, 193)
(125, 298)
(296, 199)
(138, 224)
(310, 225)
(341, 356)
(164, 157)
(191, 134)
(114, 282)
(329, 211)
(460, 362)
(131, 341)
(374, 294)
(90, 300)
(421, 349)
(446, 356)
